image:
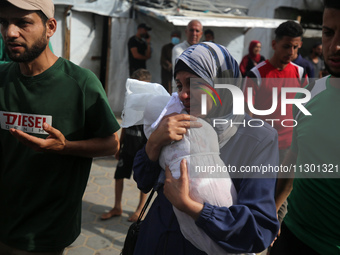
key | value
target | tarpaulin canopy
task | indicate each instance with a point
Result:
(112, 8)
(183, 17)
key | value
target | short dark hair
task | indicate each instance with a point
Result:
(43, 17)
(317, 44)
(176, 33)
(334, 4)
(209, 31)
(289, 28)
(141, 75)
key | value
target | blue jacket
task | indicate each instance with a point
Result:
(309, 68)
(250, 225)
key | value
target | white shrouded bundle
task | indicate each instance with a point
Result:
(137, 94)
(199, 147)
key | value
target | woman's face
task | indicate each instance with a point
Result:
(191, 94)
(257, 49)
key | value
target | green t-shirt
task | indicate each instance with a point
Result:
(314, 203)
(41, 193)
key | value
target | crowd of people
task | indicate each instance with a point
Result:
(55, 117)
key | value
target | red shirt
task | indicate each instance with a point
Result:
(262, 79)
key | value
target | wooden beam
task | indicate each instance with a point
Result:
(67, 32)
(106, 52)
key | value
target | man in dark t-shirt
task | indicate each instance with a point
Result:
(47, 137)
(139, 48)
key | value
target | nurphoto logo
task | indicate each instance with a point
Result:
(282, 100)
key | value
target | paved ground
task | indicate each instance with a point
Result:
(103, 237)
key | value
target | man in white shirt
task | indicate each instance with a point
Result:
(193, 32)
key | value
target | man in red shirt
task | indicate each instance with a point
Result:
(277, 72)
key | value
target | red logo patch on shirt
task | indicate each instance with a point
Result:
(29, 123)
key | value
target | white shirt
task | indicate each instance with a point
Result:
(176, 52)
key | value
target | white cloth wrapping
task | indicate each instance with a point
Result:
(137, 94)
(201, 149)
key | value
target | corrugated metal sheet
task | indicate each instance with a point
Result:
(183, 17)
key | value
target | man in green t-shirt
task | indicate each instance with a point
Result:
(54, 118)
(313, 220)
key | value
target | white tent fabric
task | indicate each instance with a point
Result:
(122, 30)
(208, 19)
(113, 8)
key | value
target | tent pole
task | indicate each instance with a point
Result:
(106, 52)
(67, 32)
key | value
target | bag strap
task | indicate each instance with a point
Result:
(145, 206)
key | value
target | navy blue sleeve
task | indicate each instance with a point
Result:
(145, 171)
(251, 224)
(310, 70)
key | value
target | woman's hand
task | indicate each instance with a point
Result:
(171, 128)
(177, 192)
